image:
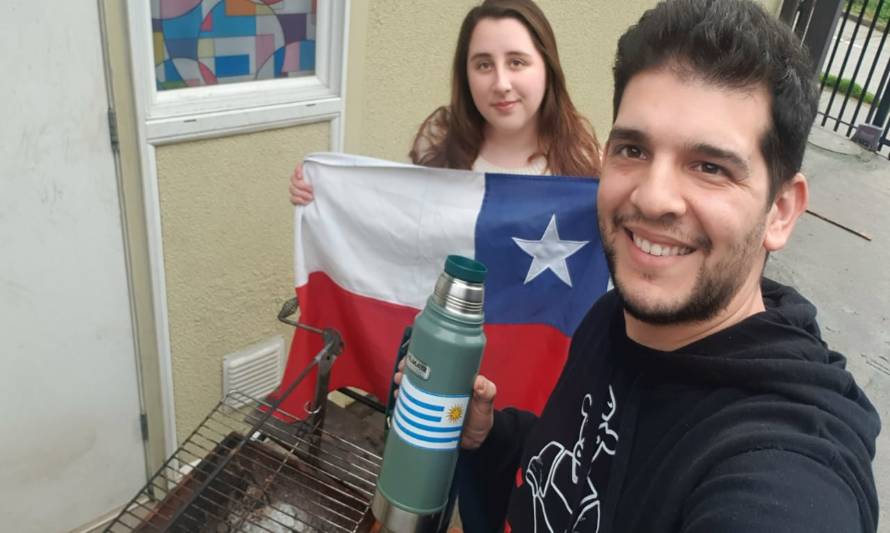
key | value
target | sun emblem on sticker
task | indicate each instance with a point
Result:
(454, 413)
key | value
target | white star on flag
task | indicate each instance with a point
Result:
(549, 252)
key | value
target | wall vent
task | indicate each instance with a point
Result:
(256, 370)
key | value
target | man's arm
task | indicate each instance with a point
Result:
(493, 466)
(773, 490)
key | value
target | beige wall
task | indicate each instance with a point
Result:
(387, 99)
(772, 6)
(228, 251)
(227, 225)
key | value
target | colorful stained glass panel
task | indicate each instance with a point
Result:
(206, 42)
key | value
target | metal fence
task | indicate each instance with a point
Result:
(849, 41)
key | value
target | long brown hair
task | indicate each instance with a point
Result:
(452, 136)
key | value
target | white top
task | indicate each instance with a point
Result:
(537, 167)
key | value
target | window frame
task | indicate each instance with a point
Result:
(214, 110)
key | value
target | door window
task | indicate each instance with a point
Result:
(211, 67)
(209, 42)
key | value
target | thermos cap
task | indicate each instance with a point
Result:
(460, 288)
(465, 269)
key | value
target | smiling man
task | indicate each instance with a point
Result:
(698, 396)
(687, 210)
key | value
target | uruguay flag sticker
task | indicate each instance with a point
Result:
(426, 420)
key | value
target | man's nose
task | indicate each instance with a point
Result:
(659, 192)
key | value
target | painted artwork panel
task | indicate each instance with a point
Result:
(207, 42)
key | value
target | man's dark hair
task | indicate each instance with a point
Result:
(735, 44)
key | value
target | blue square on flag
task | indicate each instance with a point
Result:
(543, 266)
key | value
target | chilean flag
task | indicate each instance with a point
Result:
(370, 246)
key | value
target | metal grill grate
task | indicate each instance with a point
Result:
(283, 475)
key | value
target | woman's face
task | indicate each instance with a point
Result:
(507, 75)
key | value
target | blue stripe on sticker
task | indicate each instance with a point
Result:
(440, 429)
(425, 405)
(430, 418)
(423, 438)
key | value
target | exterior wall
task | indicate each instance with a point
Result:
(227, 224)
(228, 251)
(773, 6)
(387, 100)
(587, 34)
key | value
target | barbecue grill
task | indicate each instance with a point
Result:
(251, 467)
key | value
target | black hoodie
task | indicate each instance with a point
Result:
(756, 428)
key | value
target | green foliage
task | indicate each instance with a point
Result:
(843, 85)
(871, 6)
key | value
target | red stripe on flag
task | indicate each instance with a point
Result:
(524, 361)
(371, 330)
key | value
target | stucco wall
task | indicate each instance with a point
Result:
(400, 63)
(227, 225)
(228, 251)
(772, 6)
(388, 98)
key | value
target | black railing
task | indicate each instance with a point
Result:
(853, 100)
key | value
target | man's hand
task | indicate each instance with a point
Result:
(480, 411)
(480, 414)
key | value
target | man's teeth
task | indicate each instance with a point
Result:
(659, 250)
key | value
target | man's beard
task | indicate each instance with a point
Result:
(714, 286)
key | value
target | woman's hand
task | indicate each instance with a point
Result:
(300, 190)
(480, 411)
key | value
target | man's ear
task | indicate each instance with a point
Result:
(790, 203)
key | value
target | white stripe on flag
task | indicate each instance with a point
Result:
(428, 420)
(382, 229)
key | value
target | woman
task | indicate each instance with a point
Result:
(510, 111)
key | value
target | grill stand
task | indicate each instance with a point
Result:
(236, 469)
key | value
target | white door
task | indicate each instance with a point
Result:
(70, 442)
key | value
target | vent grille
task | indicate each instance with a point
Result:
(256, 370)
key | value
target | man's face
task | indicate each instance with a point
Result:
(683, 196)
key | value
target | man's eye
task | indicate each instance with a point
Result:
(630, 151)
(711, 168)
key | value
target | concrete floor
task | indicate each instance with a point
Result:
(846, 276)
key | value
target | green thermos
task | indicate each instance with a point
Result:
(443, 358)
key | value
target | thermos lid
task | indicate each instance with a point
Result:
(460, 287)
(465, 269)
